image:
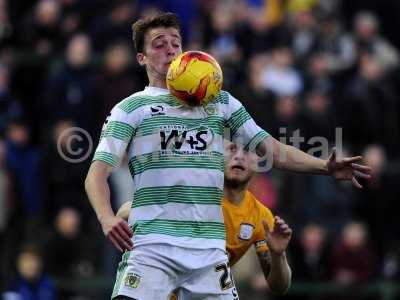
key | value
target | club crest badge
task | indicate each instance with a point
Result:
(210, 109)
(132, 280)
(246, 231)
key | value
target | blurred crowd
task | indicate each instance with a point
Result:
(320, 73)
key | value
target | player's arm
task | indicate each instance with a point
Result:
(117, 134)
(290, 158)
(245, 131)
(98, 191)
(124, 210)
(276, 271)
(273, 261)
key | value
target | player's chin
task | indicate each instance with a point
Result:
(162, 70)
(240, 173)
(237, 179)
(165, 68)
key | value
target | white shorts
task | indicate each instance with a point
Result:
(153, 272)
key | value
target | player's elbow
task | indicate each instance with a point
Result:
(87, 182)
(274, 151)
(280, 290)
(280, 286)
(89, 179)
(97, 174)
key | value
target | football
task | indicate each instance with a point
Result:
(194, 78)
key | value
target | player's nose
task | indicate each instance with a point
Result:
(238, 156)
(171, 51)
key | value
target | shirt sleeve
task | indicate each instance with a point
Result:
(117, 132)
(242, 128)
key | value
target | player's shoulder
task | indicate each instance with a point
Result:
(131, 102)
(226, 98)
(223, 97)
(145, 98)
(258, 206)
(261, 213)
(228, 105)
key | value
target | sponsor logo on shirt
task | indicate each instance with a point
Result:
(178, 138)
(157, 110)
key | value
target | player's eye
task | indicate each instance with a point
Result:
(231, 149)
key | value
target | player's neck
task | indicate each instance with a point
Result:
(235, 195)
(158, 84)
(157, 81)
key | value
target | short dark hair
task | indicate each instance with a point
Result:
(141, 27)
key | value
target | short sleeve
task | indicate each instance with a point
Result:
(117, 132)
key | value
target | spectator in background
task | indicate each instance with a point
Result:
(5, 207)
(279, 75)
(310, 254)
(335, 46)
(41, 31)
(257, 100)
(115, 25)
(38, 30)
(318, 117)
(295, 6)
(257, 31)
(353, 258)
(4, 192)
(304, 34)
(23, 160)
(115, 81)
(5, 24)
(376, 156)
(391, 262)
(318, 76)
(329, 203)
(9, 107)
(224, 44)
(378, 203)
(73, 255)
(62, 183)
(369, 41)
(30, 283)
(78, 15)
(187, 13)
(68, 93)
(285, 117)
(372, 97)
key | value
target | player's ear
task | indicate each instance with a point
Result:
(141, 58)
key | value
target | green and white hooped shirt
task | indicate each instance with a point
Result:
(176, 159)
